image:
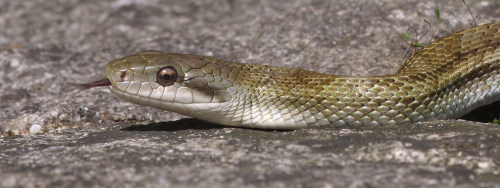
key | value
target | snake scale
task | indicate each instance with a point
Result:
(446, 79)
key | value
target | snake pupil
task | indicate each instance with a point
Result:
(166, 76)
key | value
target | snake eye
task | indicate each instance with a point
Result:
(166, 76)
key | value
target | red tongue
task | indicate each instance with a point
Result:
(99, 83)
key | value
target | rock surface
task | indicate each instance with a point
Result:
(57, 135)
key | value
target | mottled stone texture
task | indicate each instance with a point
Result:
(61, 135)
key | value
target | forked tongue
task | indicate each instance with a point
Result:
(99, 83)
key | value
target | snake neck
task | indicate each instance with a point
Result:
(446, 79)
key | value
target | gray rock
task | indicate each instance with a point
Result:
(57, 135)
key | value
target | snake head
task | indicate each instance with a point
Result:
(175, 82)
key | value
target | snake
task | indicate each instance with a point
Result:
(445, 79)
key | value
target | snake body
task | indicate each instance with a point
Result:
(446, 79)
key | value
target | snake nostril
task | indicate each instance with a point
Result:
(122, 76)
